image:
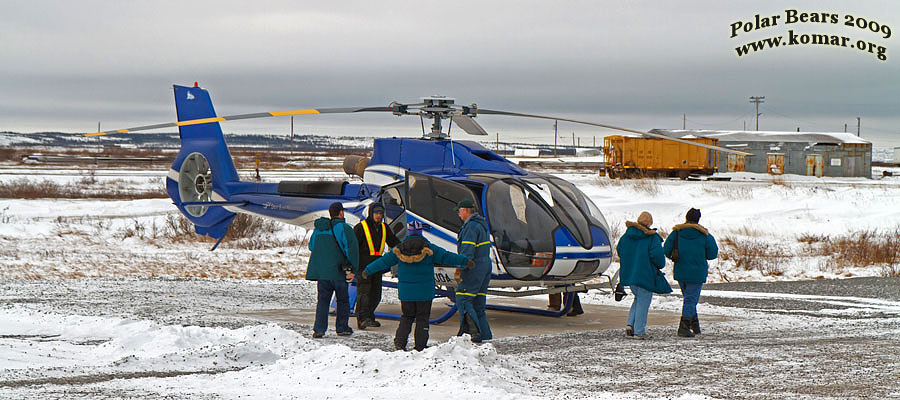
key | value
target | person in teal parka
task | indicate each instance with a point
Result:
(695, 246)
(641, 258)
(415, 257)
(332, 245)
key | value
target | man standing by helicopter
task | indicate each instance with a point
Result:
(471, 293)
(372, 234)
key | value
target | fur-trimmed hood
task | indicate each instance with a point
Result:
(642, 228)
(698, 227)
(412, 250)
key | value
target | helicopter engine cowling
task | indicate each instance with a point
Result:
(355, 165)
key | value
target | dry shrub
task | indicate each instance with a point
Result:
(778, 180)
(248, 226)
(754, 255)
(810, 238)
(859, 249)
(865, 248)
(731, 190)
(646, 185)
(747, 231)
(245, 232)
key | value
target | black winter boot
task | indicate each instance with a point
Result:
(684, 328)
(472, 328)
(695, 325)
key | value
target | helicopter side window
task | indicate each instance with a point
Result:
(434, 199)
(392, 202)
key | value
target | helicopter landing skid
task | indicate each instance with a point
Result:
(569, 298)
(438, 320)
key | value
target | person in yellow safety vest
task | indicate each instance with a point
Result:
(373, 235)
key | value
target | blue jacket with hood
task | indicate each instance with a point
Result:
(641, 257)
(331, 242)
(416, 257)
(695, 246)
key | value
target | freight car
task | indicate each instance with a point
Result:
(627, 157)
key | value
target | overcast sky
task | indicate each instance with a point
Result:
(65, 65)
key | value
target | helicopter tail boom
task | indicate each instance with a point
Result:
(203, 166)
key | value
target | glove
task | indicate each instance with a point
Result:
(470, 264)
(364, 274)
(457, 276)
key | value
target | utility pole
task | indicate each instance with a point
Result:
(555, 122)
(684, 121)
(857, 126)
(573, 139)
(498, 142)
(845, 128)
(292, 136)
(757, 100)
(745, 125)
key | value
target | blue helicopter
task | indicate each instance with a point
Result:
(546, 234)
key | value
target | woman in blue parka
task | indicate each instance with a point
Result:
(416, 257)
(695, 246)
(641, 258)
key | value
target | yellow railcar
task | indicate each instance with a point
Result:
(627, 156)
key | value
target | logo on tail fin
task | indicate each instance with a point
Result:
(189, 95)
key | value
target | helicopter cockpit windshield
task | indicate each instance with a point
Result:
(524, 215)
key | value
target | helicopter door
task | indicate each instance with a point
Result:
(434, 199)
(394, 208)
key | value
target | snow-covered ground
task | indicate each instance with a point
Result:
(64, 339)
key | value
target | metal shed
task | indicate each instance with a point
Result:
(799, 153)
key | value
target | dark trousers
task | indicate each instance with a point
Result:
(325, 290)
(368, 295)
(414, 310)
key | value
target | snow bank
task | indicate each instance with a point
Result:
(261, 361)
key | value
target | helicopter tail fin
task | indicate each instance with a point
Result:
(203, 167)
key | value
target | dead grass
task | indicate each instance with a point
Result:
(778, 180)
(24, 188)
(747, 231)
(754, 255)
(645, 185)
(245, 232)
(732, 191)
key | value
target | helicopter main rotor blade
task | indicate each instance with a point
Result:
(656, 135)
(307, 111)
(469, 125)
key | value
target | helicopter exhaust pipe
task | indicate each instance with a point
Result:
(355, 165)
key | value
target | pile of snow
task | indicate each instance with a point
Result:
(262, 361)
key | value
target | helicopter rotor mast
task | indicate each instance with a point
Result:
(439, 108)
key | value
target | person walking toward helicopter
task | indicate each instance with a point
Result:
(641, 258)
(474, 242)
(690, 245)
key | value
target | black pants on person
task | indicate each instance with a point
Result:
(368, 295)
(420, 311)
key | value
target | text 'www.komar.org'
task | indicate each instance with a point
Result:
(811, 39)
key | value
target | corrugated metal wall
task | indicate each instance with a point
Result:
(850, 159)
